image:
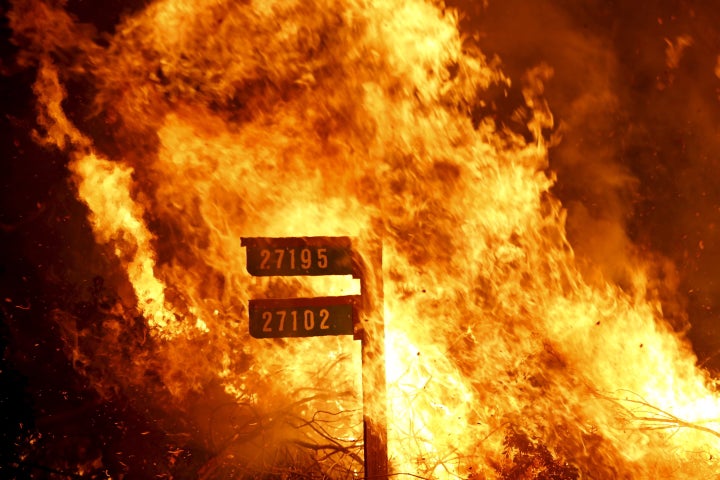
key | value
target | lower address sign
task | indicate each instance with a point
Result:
(302, 317)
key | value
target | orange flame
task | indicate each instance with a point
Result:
(352, 118)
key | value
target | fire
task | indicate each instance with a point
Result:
(233, 119)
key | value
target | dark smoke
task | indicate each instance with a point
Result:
(636, 100)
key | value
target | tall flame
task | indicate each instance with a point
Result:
(280, 118)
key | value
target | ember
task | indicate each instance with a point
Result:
(540, 320)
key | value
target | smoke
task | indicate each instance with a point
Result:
(635, 97)
(597, 188)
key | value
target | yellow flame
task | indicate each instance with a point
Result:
(117, 220)
(354, 118)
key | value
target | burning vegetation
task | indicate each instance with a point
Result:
(185, 126)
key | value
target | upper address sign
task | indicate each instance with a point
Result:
(270, 256)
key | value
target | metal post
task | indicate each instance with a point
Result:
(372, 336)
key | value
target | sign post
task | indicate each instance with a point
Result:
(372, 338)
(357, 315)
(303, 317)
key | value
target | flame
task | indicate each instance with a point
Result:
(232, 119)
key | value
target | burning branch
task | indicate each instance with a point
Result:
(530, 459)
(258, 441)
(334, 444)
(655, 418)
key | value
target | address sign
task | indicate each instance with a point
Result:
(302, 317)
(285, 256)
